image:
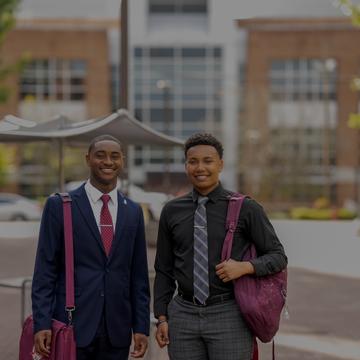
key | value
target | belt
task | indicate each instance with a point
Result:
(212, 300)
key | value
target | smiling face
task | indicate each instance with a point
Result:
(105, 161)
(203, 167)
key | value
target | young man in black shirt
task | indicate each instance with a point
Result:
(203, 321)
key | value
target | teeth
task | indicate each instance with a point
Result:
(201, 177)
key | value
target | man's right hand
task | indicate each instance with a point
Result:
(162, 334)
(42, 342)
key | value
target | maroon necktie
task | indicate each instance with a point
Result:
(106, 224)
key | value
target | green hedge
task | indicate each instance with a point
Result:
(322, 214)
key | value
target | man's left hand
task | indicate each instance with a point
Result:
(231, 269)
(140, 345)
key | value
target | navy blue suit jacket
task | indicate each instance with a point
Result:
(118, 284)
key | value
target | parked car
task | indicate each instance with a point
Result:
(16, 207)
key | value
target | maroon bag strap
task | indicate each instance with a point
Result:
(234, 207)
(235, 203)
(69, 255)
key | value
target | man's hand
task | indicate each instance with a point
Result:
(231, 269)
(140, 345)
(42, 342)
(162, 334)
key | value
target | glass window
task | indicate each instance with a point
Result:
(161, 116)
(161, 8)
(138, 52)
(193, 115)
(217, 52)
(303, 79)
(161, 52)
(54, 79)
(193, 52)
(194, 77)
(177, 6)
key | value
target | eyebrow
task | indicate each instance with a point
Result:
(103, 152)
(207, 157)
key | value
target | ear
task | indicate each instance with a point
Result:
(87, 158)
(221, 164)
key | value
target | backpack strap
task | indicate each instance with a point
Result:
(235, 203)
(69, 255)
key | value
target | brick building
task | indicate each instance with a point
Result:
(68, 71)
(295, 140)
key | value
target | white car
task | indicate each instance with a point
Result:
(16, 207)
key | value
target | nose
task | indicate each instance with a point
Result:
(200, 166)
(108, 160)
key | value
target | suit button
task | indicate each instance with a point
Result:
(102, 294)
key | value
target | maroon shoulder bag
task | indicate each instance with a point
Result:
(260, 299)
(63, 345)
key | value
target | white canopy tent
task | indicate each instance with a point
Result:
(61, 129)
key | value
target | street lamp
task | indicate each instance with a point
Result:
(326, 69)
(253, 137)
(165, 86)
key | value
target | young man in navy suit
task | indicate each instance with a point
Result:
(110, 265)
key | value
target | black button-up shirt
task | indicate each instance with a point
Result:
(175, 244)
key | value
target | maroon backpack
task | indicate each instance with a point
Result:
(260, 299)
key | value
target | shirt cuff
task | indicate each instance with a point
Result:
(259, 266)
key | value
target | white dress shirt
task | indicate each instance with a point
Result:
(96, 203)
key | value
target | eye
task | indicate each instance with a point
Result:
(116, 156)
(100, 155)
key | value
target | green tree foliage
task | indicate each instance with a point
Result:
(353, 11)
(350, 9)
(7, 22)
(7, 160)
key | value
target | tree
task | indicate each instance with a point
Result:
(7, 22)
(352, 10)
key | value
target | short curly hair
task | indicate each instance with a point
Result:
(203, 139)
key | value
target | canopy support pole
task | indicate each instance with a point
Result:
(61, 166)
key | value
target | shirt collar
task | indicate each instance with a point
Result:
(213, 195)
(95, 194)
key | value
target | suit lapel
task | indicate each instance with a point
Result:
(82, 201)
(120, 223)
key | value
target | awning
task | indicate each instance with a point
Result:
(62, 130)
(120, 124)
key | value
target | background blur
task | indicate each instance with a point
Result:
(271, 79)
(276, 81)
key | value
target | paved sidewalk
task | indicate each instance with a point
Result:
(323, 309)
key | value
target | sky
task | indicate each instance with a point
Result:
(239, 8)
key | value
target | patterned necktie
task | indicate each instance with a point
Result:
(106, 224)
(201, 272)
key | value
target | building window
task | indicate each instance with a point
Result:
(303, 79)
(177, 6)
(53, 79)
(187, 81)
(302, 120)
